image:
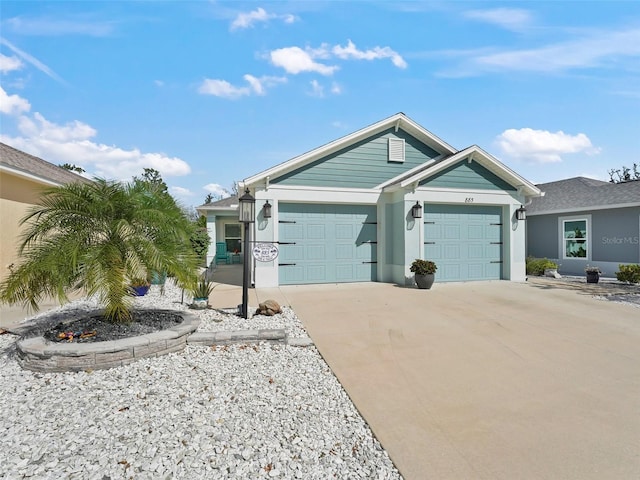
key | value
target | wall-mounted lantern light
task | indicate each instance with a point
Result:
(246, 213)
(521, 213)
(416, 210)
(266, 210)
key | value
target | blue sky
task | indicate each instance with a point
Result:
(212, 92)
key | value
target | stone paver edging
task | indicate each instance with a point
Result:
(38, 354)
(277, 335)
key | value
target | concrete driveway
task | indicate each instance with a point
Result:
(489, 380)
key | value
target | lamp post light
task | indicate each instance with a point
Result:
(247, 216)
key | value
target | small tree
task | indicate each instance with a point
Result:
(97, 237)
(72, 168)
(624, 175)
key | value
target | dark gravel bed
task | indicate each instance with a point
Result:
(96, 328)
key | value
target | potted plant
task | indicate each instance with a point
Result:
(140, 286)
(424, 271)
(201, 294)
(593, 274)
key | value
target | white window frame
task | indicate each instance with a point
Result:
(562, 239)
(226, 237)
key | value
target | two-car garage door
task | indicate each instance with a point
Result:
(465, 241)
(334, 243)
(326, 243)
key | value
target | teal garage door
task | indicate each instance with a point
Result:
(326, 243)
(465, 241)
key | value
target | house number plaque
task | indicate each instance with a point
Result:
(265, 252)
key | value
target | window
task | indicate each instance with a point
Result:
(233, 237)
(575, 238)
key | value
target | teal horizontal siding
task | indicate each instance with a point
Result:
(468, 176)
(362, 165)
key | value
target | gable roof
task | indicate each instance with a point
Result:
(224, 207)
(399, 120)
(20, 163)
(475, 154)
(231, 201)
(581, 194)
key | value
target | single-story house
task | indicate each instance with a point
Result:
(22, 179)
(580, 221)
(363, 207)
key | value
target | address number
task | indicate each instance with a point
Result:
(468, 200)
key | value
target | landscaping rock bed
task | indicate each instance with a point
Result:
(259, 410)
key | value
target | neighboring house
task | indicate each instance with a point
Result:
(344, 212)
(22, 179)
(580, 222)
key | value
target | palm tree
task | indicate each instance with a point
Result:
(97, 237)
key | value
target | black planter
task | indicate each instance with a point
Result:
(593, 277)
(425, 281)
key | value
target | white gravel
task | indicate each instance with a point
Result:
(242, 412)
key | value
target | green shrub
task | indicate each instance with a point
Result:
(203, 289)
(537, 266)
(628, 273)
(423, 267)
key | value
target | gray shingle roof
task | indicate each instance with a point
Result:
(225, 202)
(580, 193)
(19, 160)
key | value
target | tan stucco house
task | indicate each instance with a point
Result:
(22, 179)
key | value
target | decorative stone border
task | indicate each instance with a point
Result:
(238, 336)
(41, 355)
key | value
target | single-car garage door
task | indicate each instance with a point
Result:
(322, 243)
(465, 241)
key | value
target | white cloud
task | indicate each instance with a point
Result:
(55, 26)
(32, 60)
(224, 89)
(542, 146)
(336, 89)
(259, 85)
(71, 143)
(509, 18)
(620, 48)
(295, 60)
(38, 126)
(288, 18)
(216, 190)
(13, 104)
(259, 15)
(181, 192)
(8, 64)
(158, 83)
(317, 90)
(376, 53)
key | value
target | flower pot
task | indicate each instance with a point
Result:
(158, 278)
(425, 281)
(140, 291)
(200, 303)
(593, 277)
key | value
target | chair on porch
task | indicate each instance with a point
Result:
(221, 253)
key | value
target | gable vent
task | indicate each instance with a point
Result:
(396, 149)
